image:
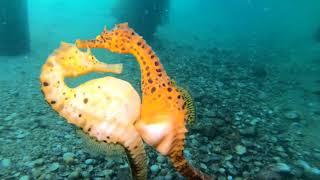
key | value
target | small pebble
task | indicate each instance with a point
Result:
(279, 149)
(168, 177)
(36, 172)
(107, 172)
(281, 167)
(154, 169)
(54, 167)
(89, 161)
(222, 170)
(38, 162)
(110, 164)
(5, 163)
(203, 166)
(161, 159)
(20, 136)
(10, 117)
(317, 156)
(240, 149)
(292, 115)
(74, 175)
(228, 157)
(25, 177)
(68, 158)
(248, 132)
(257, 163)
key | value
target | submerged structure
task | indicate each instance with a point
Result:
(143, 15)
(316, 35)
(14, 27)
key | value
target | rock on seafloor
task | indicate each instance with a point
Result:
(240, 149)
(53, 167)
(292, 115)
(69, 158)
(154, 169)
(5, 163)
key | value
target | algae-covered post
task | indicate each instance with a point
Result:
(316, 35)
(142, 15)
(14, 27)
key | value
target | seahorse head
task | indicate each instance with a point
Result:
(119, 39)
(75, 62)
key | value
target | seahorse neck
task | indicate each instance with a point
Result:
(152, 71)
(53, 84)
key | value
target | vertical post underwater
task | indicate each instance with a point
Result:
(14, 28)
(142, 15)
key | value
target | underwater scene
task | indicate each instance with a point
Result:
(160, 89)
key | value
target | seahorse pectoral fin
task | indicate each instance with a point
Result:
(95, 147)
(108, 68)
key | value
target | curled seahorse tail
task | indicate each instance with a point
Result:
(135, 150)
(128, 137)
(138, 161)
(185, 169)
(180, 163)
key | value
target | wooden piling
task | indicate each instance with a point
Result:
(14, 28)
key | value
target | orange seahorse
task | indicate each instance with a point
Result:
(104, 108)
(165, 108)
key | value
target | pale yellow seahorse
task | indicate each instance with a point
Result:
(104, 108)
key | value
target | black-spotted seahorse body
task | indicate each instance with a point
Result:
(104, 108)
(164, 111)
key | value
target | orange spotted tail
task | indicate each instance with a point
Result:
(181, 164)
(186, 170)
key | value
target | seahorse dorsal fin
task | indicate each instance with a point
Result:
(95, 147)
(173, 82)
(191, 111)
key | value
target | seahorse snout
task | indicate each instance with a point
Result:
(108, 68)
